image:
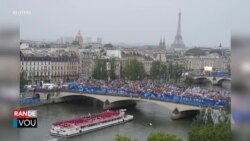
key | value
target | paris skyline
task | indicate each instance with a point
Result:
(134, 22)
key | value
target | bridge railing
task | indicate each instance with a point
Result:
(148, 95)
(214, 74)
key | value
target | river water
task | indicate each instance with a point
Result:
(144, 114)
(139, 128)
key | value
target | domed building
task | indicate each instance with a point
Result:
(79, 37)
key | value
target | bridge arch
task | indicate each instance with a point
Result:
(37, 95)
(176, 112)
(48, 96)
(221, 80)
(203, 79)
(75, 95)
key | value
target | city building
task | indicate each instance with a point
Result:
(87, 63)
(56, 67)
(24, 45)
(197, 58)
(65, 40)
(64, 67)
(36, 67)
(161, 56)
(114, 53)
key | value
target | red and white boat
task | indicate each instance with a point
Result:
(88, 123)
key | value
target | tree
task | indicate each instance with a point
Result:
(104, 72)
(229, 68)
(199, 119)
(210, 132)
(112, 74)
(189, 80)
(174, 71)
(227, 106)
(122, 138)
(154, 136)
(204, 117)
(133, 70)
(122, 73)
(170, 71)
(23, 80)
(108, 45)
(177, 71)
(100, 70)
(225, 113)
(161, 136)
(205, 127)
(158, 70)
(97, 69)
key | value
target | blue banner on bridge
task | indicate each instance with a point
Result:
(221, 74)
(146, 94)
(30, 100)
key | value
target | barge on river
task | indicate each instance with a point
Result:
(89, 123)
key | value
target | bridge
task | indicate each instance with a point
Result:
(113, 99)
(179, 110)
(181, 106)
(214, 80)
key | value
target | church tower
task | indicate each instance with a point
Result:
(162, 44)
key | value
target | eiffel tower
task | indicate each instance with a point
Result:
(178, 43)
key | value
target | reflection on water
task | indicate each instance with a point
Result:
(144, 113)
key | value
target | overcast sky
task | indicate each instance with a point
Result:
(204, 22)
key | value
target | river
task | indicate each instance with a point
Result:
(139, 128)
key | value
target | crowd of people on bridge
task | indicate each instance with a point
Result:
(158, 88)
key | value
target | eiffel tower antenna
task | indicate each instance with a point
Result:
(178, 42)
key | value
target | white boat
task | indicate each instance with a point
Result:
(89, 123)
